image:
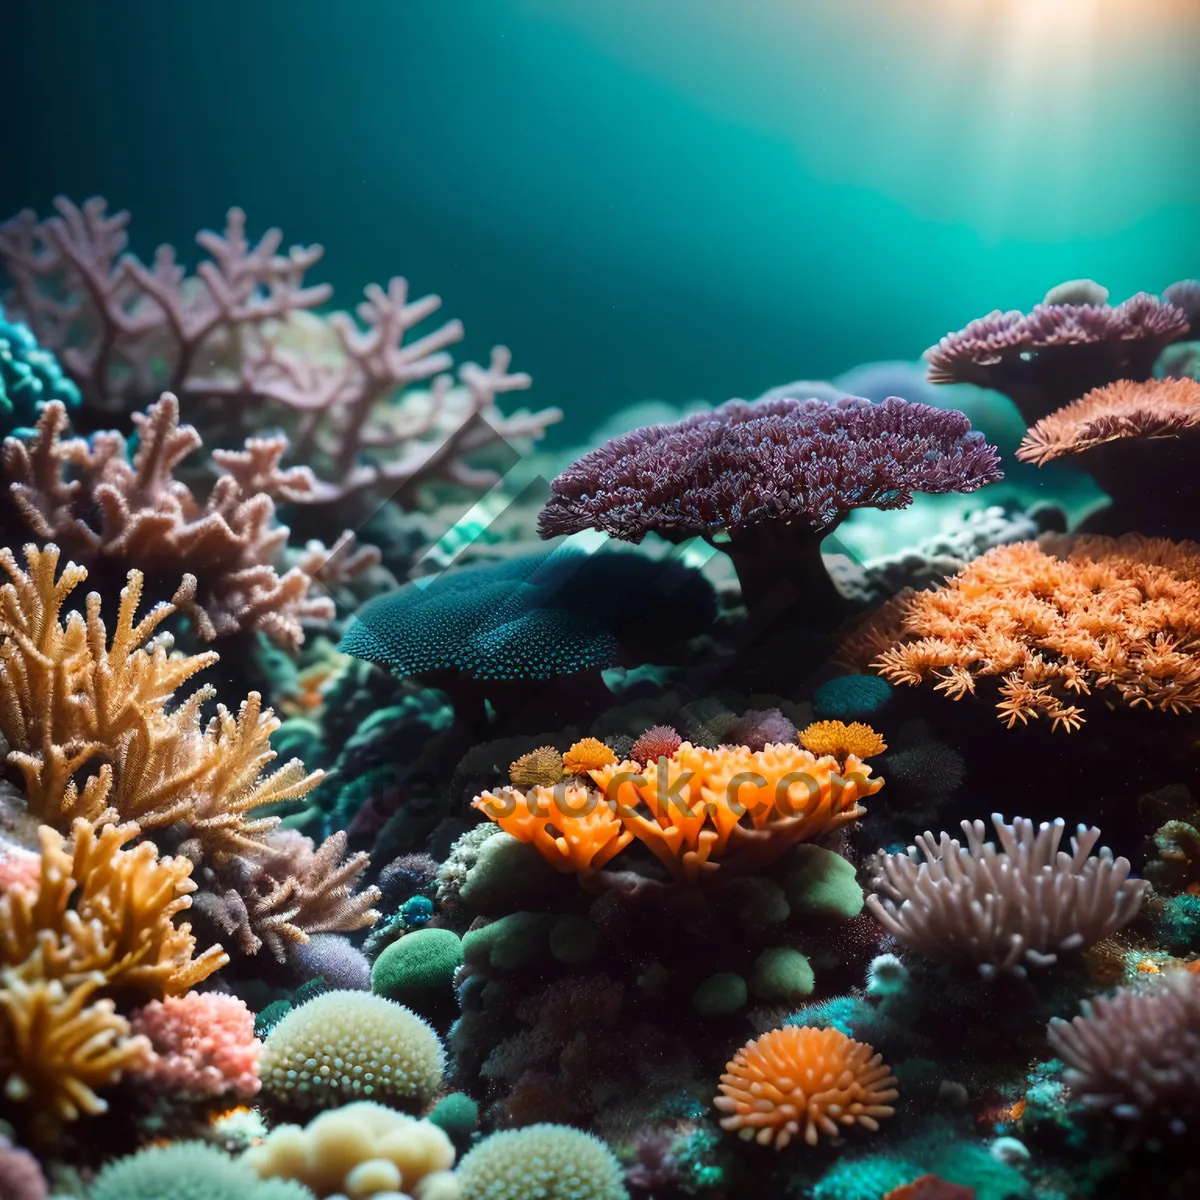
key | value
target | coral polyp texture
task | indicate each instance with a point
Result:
(770, 478)
(30, 378)
(1072, 342)
(1005, 907)
(801, 1082)
(689, 809)
(1053, 623)
(1136, 1054)
(840, 740)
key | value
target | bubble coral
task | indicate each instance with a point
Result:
(552, 1162)
(590, 754)
(351, 1046)
(542, 767)
(841, 740)
(799, 1079)
(1054, 621)
(203, 1044)
(1136, 1053)
(1058, 351)
(1022, 904)
(354, 1151)
(765, 481)
(659, 741)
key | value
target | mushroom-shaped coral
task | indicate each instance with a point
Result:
(355, 1151)
(840, 740)
(1124, 434)
(803, 1081)
(552, 1162)
(1136, 1053)
(766, 481)
(1004, 908)
(351, 1046)
(1059, 350)
(1053, 622)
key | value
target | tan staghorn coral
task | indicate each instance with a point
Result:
(94, 724)
(289, 890)
(97, 502)
(58, 1045)
(103, 911)
(1055, 622)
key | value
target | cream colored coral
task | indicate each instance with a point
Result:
(356, 1151)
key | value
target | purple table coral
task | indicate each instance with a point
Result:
(766, 481)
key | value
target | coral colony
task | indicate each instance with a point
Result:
(407, 855)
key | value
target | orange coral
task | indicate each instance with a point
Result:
(931, 1187)
(542, 767)
(1055, 622)
(841, 740)
(1157, 408)
(803, 1079)
(591, 754)
(102, 912)
(690, 808)
(58, 1045)
(72, 702)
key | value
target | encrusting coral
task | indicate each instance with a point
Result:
(72, 702)
(766, 481)
(688, 809)
(100, 504)
(1008, 908)
(800, 1081)
(1055, 620)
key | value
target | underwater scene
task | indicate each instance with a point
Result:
(600, 600)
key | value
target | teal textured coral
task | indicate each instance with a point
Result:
(29, 378)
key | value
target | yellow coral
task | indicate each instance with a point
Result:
(58, 1045)
(99, 911)
(588, 755)
(690, 809)
(841, 740)
(72, 702)
(542, 767)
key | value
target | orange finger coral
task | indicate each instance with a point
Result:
(101, 911)
(803, 1080)
(841, 740)
(1056, 621)
(93, 722)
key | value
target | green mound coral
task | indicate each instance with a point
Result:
(819, 883)
(720, 994)
(418, 968)
(29, 378)
(533, 618)
(782, 974)
(188, 1171)
(510, 943)
(551, 1162)
(457, 1114)
(851, 698)
(346, 1046)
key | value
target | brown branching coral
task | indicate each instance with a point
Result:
(103, 911)
(1004, 908)
(93, 724)
(59, 1044)
(97, 502)
(293, 889)
(1056, 622)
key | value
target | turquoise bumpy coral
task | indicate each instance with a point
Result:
(29, 378)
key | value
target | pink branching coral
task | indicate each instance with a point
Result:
(1072, 342)
(203, 1044)
(94, 500)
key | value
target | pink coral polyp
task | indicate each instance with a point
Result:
(203, 1044)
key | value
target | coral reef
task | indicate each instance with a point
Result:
(552, 1161)
(30, 378)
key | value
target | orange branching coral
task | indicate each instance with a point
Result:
(1158, 408)
(799, 1079)
(690, 809)
(102, 911)
(58, 1045)
(588, 755)
(841, 740)
(97, 501)
(1058, 621)
(571, 825)
(542, 767)
(92, 723)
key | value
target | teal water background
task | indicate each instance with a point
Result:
(643, 198)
